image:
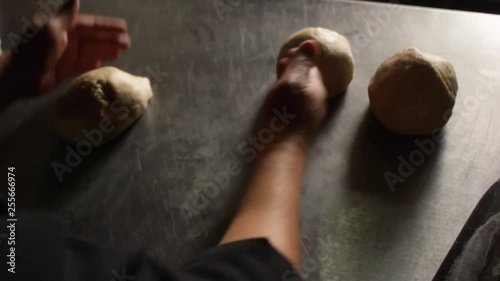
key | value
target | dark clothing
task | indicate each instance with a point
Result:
(475, 255)
(43, 251)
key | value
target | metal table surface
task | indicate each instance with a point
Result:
(220, 64)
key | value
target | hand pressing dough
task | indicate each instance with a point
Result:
(100, 105)
(336, 62)
(413, 93)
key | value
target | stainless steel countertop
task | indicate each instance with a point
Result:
(219, 67)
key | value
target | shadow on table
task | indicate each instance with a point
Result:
(33, 148)
(335, 105)
(54, 193)
(396, 169)
(380, 207)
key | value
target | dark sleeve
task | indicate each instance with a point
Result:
(253, 259)
(476, 252)
(43, 251)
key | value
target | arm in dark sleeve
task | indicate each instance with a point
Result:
(253, 259)
(44, 251)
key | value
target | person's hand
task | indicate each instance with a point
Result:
(68, 44)
(296, 106)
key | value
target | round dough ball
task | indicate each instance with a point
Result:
(336, 62)
(413, 93)
(100, 105)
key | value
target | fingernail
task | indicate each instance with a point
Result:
(124, 39)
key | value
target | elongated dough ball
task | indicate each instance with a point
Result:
(100, 105)
(413, 93)
(336, 62)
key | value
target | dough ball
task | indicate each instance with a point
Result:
(336, 62)
(100, 105)
(413, 93)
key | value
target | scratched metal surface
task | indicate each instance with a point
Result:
(131, 192)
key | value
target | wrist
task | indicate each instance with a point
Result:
(298, 142)
(286, 151)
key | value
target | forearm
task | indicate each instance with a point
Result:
(271, 205)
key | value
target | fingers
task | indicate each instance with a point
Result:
(93, 40)
(97, 29)
(101, 23)
(307, 51)
(292, 52)
(71, 6)
(99, 51)
(91, 35)
(315, 75)
(69, 58)
(80, 66)
(315, 83)
(282, 63)
(78, 59)
(310, 48)
(68, 12)
(297, 68)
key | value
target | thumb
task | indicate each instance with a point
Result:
(296, 64)
(68, 12)
(297, 68)
(315, 83)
